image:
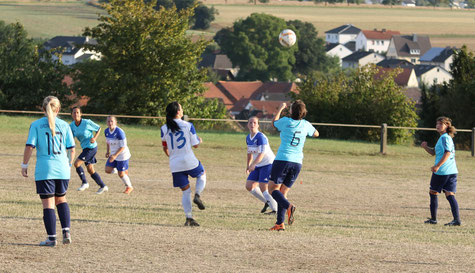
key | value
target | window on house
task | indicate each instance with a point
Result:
(372, 42)
(438, 70)
(413, 60)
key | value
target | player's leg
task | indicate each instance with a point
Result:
(123, 172)
(252, 186)
(180, 180)
(436, 184)
(289, 175)
(90, 160)
(46, 189)
(449, 190)
(264, 173)
(63, 209)
(80, 171)
(200, 175)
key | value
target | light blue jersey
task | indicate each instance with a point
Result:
(293, 134)
(445, 144)
(84, 132)
(51, 156)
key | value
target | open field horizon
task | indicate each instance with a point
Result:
(357, 211)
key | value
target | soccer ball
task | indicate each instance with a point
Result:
(287, 38)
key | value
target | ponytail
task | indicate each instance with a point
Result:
(451, 130)
(172, 111)
(51, 104)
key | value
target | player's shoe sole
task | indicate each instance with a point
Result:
(277, 227)
(453, 223)
(198, 202)
(290, 214)
(264, 208)
(430, 221)
(190, 222)
(83, 187)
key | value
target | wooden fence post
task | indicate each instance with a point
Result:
(384, 138)
(473, 141)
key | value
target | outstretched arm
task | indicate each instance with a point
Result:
(279, 112)
(428, 149)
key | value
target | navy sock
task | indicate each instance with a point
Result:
(434, 204)
(280, 214)
(283, 204)
(49, 219)
(98, 179)
(81, 174)
(64, 215)
(454, 206)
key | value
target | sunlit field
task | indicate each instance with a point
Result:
(357, 211)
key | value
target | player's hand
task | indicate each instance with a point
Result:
(24, 172)
(247, 171)
(92, 140)
(283, 106)
(252, 168)
(434, 169)
(112, 158)
(424, 144)
(200, 139)
(107, 155)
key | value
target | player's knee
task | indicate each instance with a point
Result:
(433, 192)
(448, 193)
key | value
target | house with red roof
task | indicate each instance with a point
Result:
(375, 40)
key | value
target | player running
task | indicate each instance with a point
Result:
(118, 153)
(259, 165)
(288, 161)
(51, 137)
(178, 138)
(86, 131)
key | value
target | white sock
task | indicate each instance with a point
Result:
(258, 194)
(126, 180)
(200, 184)
(186, 202)
(272, 203)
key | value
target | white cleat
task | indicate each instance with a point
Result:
(102, 190)
(114, 171)
(67, 238)
(48, 242)
(83, 187)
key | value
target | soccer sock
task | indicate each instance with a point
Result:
(281, 214)
(98, 179)
(200, 184)
(434, 204)
(258, 194)
(126, 180)
(80, 172)
(49, 219)
(280, 199)
(272, 203)
(64, 215)
(186, 202)
(454, 206)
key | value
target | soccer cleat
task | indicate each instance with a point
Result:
(102, 190)
(198, 202)
(114, 171)
(271, 212)
(430, 221)
(278, 227)
(264, 208)
(48, 242)
(128, 190)
(290, 214)
(66, 238)
(454, 223)
(83, 187)
(190, 222)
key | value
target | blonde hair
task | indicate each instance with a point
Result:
(51, 105)
(450, 128)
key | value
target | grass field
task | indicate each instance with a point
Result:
(445, 27)
(357, 211)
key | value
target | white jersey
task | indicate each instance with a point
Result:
(260, 144)
(180, 145)
(116, 140)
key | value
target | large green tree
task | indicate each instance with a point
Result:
(252, 44)
(203, 15)
(27, 73)
(147, 62)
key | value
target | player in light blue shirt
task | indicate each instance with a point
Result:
(52, 138)
(444, 171)
(86, 131)
(288, 161)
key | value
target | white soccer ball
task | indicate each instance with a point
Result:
(287, 38)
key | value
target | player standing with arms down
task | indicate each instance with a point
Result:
(444, 171)
(52, 137)
(86, 131)
(118, 153)
(259, 165)
(178, 138)
(288, 161)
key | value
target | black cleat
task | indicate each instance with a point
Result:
(430, 221)
(271, 212)
(190, 222)
(454, 223)
(198, 202)
(264, 208)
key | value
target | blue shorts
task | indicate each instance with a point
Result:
(441, 183)
(88, 156)
(180, 179)
(121, 166)
(57, 187)
(260, 174)
(285, 172)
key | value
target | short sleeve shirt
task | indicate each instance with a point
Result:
(84, 132)
(52, 161)
(260, 144)
(116, 140)
(445, 144)
(293, 134)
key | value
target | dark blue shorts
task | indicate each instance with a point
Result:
(88, 156)
(441, 183)
(260, 174)
(52, 187)
(180, 179)
(285, 172)
(121, 166)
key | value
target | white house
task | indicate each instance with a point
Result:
(342, 34)
(408, 47)
(440, 56)
(375, 40)
(361, 58)
(408, 3)
(338, 50)
(71, 49)
(431, 74)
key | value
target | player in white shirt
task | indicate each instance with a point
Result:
(178, 138)
(259, 165)
(118, 153)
